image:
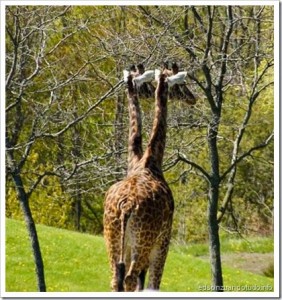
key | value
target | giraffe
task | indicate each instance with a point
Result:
(146, 89)
(138, 210)
(180, 91)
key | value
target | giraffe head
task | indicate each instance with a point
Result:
(176, 84)
(130, 84)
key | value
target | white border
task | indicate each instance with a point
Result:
(277, 141)
(276, 160)
(161, 295)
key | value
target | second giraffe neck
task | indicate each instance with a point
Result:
(153, 156)
(135, 150)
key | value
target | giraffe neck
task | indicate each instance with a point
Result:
(153, 156)
(135, 150)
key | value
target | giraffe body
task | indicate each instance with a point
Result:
(138, 210)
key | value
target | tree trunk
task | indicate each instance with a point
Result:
(78, 208)
(213, 228)
(76, 152)
(39, 266)
(214, 247)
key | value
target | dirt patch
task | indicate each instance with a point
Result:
(251, 262)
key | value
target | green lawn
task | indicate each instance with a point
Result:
(76, 262)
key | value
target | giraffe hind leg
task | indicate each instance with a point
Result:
(157, 262)
(135, 277)
(131, 277)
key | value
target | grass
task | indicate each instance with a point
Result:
(73, 261)
(236, 245)
(76, 262)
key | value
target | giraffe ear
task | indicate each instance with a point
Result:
(125, 75)
(145, 77)
(157, 74)
(149, 75)
(178, 78)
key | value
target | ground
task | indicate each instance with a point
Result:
(251, 262)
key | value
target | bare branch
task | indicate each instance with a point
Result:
(248, 153)
(182, 157)
(84, 115)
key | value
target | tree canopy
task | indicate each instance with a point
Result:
(66, 114)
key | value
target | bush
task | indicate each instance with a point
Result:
(269, 271)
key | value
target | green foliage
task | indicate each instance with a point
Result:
(78, 263)
(49, 205)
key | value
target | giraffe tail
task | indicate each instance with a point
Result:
(120, 276)
(121, 265)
